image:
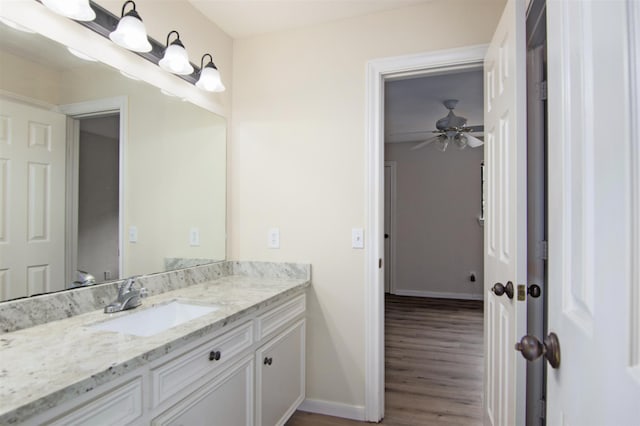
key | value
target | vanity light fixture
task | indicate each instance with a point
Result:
(80, 10)
(175, 58)
(131, 33)
(209, 76)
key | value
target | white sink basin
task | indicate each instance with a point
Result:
(150, 321)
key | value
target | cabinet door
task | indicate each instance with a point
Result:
(226, 401)
(280, 384)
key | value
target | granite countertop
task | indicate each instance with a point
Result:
(46, 365)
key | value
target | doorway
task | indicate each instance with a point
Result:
(98, 170)
(378, 72)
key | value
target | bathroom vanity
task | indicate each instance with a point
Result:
(243, 363)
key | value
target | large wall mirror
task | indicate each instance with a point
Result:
(100, 174)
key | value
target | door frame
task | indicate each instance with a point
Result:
(74, 112)
(391, 262)
(377, 72)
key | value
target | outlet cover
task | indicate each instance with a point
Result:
(273, 240)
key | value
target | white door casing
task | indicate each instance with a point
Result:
(594, 188)
(389, 226)
(32, 200)
(505, 225)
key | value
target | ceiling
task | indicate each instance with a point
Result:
(246, 18)
(413, 105)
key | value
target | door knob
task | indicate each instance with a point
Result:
(386, 235)
(500, 289)
(531, 349)
(534, 290)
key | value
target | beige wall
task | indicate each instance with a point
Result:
(438, 238)
(297, 161)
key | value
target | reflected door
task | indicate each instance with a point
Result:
(32, 200)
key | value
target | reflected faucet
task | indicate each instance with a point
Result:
(128, 296)
(84, 279)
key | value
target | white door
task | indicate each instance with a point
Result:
(505, 226)
(32, 200)
(594, 215)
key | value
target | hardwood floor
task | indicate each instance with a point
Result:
(433, 365)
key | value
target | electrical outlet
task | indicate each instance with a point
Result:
(274, 238)
(357, 238)
(194, 237)
(107, 275)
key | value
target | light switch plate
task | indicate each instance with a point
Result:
(357, 238)
(133, 234)
(274, 238)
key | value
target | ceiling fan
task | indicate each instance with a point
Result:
(453, 128)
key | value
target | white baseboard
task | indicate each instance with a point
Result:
(328, 408)
(438, 295)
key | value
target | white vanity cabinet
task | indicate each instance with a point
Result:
(280, 378)
(280, 362)
(252, 373)
(226, 400)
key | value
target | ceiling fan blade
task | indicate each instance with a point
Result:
(475, 129)
(424, 143)
(473, 142)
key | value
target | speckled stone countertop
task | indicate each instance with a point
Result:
(48, 364)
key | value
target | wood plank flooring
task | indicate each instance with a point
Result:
(433, 365)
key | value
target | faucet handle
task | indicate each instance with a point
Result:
(143, 293)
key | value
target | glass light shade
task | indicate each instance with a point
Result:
(80, 10)
(461, 141)
(131, 34)
(443, 143)
(176, 60)
(210, 79)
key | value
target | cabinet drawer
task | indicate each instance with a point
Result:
(174, 376)
(120, 406)
(271, 321)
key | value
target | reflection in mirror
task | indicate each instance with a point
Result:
(101, 176)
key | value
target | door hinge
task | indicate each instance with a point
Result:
(544, 250)
(380, 263)
(542, 91)
(542, 407)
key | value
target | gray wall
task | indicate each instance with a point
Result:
(438, 238)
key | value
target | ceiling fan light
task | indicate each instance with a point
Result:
(80, 10)
(461, 141)
(175, 59)
(131, 33)
(443, 143)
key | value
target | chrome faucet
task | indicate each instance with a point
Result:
(128, 297)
